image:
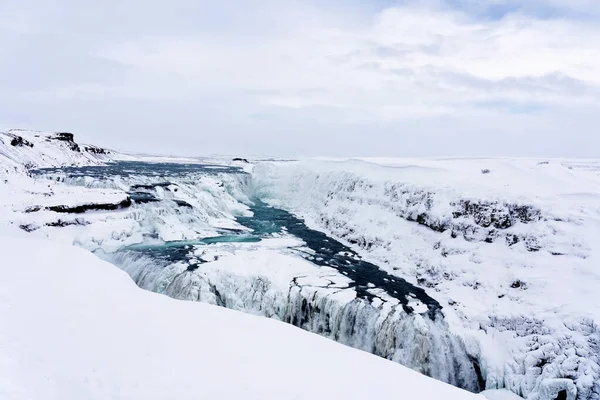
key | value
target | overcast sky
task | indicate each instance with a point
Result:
(314, 77)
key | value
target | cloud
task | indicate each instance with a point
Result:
(454, 73)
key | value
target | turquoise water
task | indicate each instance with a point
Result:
(181, 250)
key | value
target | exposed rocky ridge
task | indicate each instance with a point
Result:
(82, 208)
(18, 141)
(472, 219)
(24, 150)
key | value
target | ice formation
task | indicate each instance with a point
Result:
(509, 253)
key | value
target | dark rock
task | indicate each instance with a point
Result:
(512, 239)
(500, 216)
(182, 203)
(137, 187)
(62, 223)
(68, 138)
(65, 136)
(241, 160)
(193, 267)
(532, 244)
(143, 197)
(96, 150)
(29, 227)
(518, 284)
(562, 395)
(480, 378)
(149, 186)
(18, 141)
(89, 207)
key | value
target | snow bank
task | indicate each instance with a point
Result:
(508, 246)
(75, 327)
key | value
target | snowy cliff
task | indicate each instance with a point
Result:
(36, 149)
(509, 247)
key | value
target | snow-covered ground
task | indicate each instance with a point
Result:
(509, 247)
(75, 327)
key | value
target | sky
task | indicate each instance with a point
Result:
(307, 78)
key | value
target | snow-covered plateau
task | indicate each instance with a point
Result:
(477, 272)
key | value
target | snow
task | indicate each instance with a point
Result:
(76, 327)
(510, 253)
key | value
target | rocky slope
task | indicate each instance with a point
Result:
(25, 149)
